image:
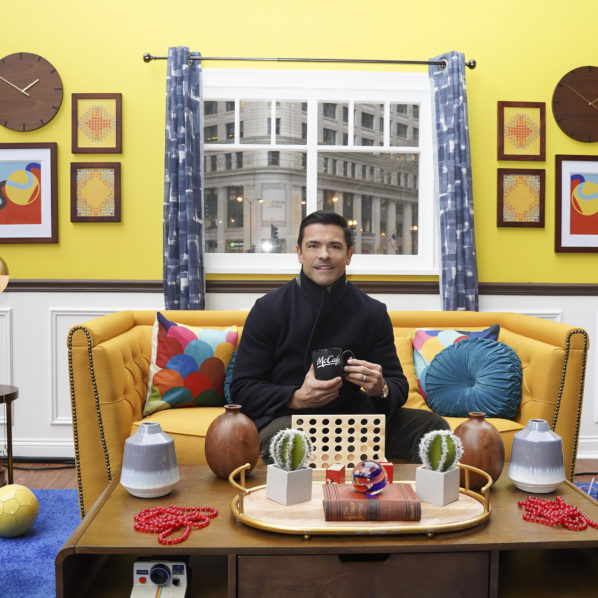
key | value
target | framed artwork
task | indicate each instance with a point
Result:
(576, 209)
(522, 131)
(96, 123)
(520, 197)
(28, 193)
(95, 191)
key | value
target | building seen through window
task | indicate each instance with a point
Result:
(255, 191)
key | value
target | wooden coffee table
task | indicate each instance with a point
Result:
(504, 556)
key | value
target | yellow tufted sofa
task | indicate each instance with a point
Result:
(109, 363)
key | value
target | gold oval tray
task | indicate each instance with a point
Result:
(252, 508)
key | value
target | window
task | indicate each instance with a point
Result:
(292, 142)
(210, 108)
(329, 110)
(210, 134)
(367, 120)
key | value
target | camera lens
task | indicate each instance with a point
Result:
(159, 574)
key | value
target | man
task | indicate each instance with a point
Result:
(273, 376)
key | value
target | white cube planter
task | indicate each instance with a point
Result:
(288, 487)
(437, 487)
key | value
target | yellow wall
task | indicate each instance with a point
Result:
(522, 49)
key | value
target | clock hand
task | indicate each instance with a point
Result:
(13, 85)
(30, 85)
(582, 97)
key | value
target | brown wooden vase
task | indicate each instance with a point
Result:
(483, 448)
(232, 440)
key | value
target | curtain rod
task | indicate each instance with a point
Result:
(147, 57)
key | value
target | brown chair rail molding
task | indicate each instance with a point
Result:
(264, 286)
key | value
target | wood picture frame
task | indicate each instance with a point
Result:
(95, 192)
(520, 197)
(28, 193)
(522, 131)
(96, 125)
(576, 204)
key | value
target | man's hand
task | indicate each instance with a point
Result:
(366, 375)
(315, 393)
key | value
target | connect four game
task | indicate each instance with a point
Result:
(343, 439)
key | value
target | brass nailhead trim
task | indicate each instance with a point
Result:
(74, 411)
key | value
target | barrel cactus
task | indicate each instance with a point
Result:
(290, 449)
(440, 450)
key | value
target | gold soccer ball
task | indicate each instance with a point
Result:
(18, 510)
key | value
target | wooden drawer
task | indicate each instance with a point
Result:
(454, 574)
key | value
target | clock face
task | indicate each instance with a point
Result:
(575, 104)
(30, 91)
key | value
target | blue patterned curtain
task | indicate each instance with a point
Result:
(184, 283)
(458, 267)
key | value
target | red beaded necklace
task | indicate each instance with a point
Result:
(554, 512)
(166, 520)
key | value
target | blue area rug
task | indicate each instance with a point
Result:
(27, 561)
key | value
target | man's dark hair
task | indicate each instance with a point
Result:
(324, 217)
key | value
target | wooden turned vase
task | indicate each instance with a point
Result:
(231, 441)
(483, 448)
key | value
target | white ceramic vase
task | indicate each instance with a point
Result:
(149, 462)
(536, 463)
(437, 487)
(288, 487)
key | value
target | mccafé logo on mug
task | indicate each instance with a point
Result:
(330, 363)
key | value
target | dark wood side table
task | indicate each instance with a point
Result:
(7, 395)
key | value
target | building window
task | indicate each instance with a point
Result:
(210, 134)
(329, 110)
(230, 106)
(239, 159)
(211, 208)
(273, 158)
(402, 130)
(228, 161)
(367, 120)
(269, 131)
(230, 130)
(210, 108)
(213, 162)
(328, 137)
(234, 207)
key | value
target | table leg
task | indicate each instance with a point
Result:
(9, 467)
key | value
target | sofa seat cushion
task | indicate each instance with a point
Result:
(188, 428)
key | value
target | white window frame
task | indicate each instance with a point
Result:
(340, 87)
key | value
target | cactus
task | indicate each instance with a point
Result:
(440, 450)
(290, 449)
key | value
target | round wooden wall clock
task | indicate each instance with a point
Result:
(30, 91)
(575, 104)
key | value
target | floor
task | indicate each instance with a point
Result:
(62, 475)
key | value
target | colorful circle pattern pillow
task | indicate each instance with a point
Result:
(188, 365)
(428, 343)
(475, 375)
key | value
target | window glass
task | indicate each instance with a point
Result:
(353, 143)
(256, 119)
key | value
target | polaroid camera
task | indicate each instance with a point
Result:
(170, 577)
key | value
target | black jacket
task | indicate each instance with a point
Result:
(285, 326)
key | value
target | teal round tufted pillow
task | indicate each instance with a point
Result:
(475, 375)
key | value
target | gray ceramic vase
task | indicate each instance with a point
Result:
(149, 462)
(537, 458)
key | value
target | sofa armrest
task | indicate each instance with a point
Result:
(108, 360)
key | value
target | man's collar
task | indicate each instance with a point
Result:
(309, 286)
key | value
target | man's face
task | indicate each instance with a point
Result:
(324, 253)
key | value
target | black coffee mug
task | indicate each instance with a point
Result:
(330, 363)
